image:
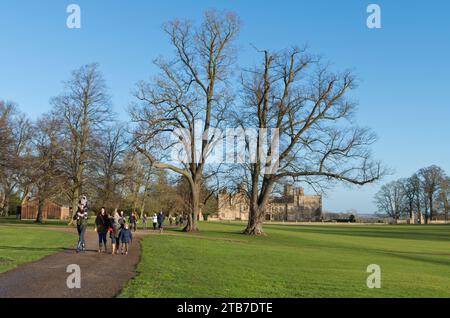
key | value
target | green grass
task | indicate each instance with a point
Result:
(295, 261)
(23, 244)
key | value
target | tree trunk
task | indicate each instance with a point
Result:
(255, 222)
(431, 207)
(192, 223)
(74, 203)
(6, 205)
(39, 217)
(255, 217)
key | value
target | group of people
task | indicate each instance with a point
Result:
(157, 220)
(120, 231)
(116, 225)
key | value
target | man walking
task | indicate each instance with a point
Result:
(82, 221)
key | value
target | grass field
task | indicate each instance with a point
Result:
(295, 261)
(22, 244)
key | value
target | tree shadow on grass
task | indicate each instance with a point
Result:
(420, 257)
(382, 232)
(42, 249)
(26, 248)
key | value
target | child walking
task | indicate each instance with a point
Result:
(126, 237)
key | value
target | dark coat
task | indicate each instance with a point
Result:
(125, 236)
(102, 223)
(161, 218)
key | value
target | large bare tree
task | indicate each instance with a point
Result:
(314, 140)
(83, 110)
(190, 94)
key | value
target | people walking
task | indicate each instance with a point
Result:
(102, 225)
(155, 221)
(161, 218)
(126, 237)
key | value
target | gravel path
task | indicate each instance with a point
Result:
(102, 275)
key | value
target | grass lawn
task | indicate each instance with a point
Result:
(22, 244)
(295, 261)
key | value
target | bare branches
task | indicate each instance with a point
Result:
(82, 110)
(306, 102)
(190, 89)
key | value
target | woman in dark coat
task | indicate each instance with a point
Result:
(102, 225)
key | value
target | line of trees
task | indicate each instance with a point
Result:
(424, 196)
(80, 148)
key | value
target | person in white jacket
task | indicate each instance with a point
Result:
(155, 221)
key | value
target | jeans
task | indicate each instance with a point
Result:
(102, 238)
(81, 241)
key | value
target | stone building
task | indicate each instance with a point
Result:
(293, 205)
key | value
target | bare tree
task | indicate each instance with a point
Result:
(139, 178)
(83, 110)
(431, 179)
(190, 94)
(391, 200)
(306, 104)
(415, 187)
(5, 113)
(48, 175)
(411, 191)
(15, 143)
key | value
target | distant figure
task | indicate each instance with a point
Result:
(161, 218)
(155, 221)
(180, 220)
(122, 219)
(19, 212)
(144, 222)
(102, 225)
(170, 219)
(126, 237)
(133, 221)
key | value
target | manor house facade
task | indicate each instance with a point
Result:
(293, 205)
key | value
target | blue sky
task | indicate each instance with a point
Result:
(404, 67)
